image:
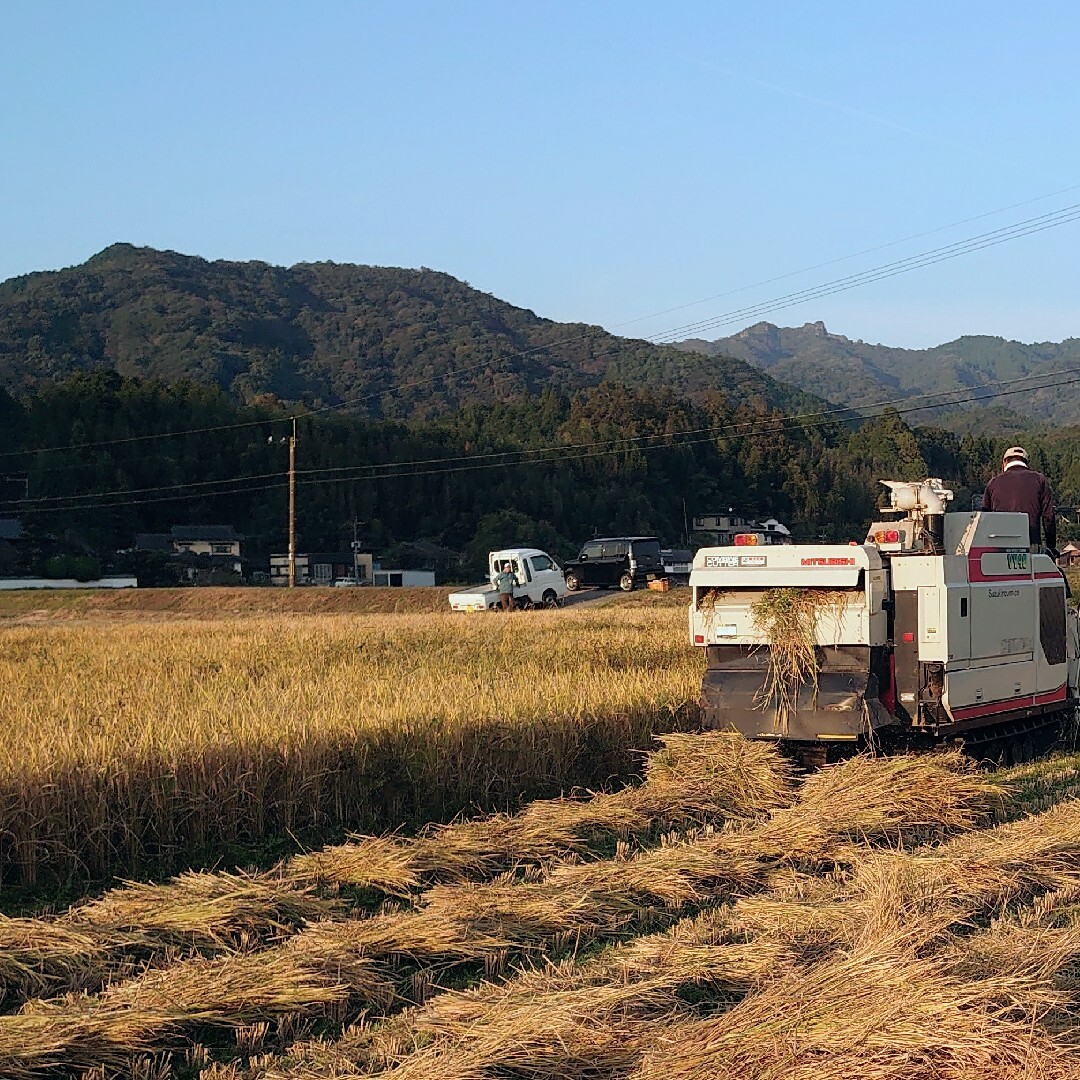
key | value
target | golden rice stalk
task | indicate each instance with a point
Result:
(150, 1012)
(881, 1012)
(141, 924)
(713, 775)
(574, 905)
(370, 862)
(304, 976)
(980, 872)
(598, 1030)
(690, 778)
(204, 910)
(789, 619)
(894, 800)
(39, 1043)
(45, 956)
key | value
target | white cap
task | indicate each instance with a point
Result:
(1015, 453)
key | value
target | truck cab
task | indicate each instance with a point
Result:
(540, 581)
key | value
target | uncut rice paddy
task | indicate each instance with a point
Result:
(719, 916)
(145, 746)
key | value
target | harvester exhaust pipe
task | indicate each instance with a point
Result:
(923, 503)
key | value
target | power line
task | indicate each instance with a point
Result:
(379, 469)
(955, 250)
(733, 430)
(901, 266)
(845, 258)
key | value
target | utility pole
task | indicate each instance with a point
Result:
(355, 551)
(292, 506)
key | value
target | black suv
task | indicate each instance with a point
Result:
(625, 561)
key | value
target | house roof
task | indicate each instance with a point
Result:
(211, 533)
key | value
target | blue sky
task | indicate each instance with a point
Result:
(596, 162)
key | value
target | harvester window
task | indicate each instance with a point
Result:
(1052, 623)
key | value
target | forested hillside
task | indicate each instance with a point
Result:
(147, 389)
(389, 342)
(858, 374)
(88, 463)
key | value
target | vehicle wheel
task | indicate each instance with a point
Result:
(550, 599)
(573, 582)
(626, 582)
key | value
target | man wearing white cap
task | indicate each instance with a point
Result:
(1020, 489)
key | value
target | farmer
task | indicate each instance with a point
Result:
(1019, 488)
(504, 582)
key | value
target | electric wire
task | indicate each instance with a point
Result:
(732, 430)
(844, 258)
(1029, 226)
(900, 266)
(393, 467)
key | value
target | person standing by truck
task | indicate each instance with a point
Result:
(1020, 489)
(505, 582)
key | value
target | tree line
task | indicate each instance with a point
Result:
(95, 458)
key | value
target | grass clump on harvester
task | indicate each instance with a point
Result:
(789, 619)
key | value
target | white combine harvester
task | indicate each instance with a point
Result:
(939, 627)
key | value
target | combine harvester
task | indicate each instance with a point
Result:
(939, 628)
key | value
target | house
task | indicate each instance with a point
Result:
(321, 568)
(719, 530)
(208, 554)
(1069, 556)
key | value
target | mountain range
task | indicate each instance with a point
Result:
(381, 342)
(417, 344)
(859, 374)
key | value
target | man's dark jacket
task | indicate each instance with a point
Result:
(1025, 491)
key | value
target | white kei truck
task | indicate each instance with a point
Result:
(540, 582)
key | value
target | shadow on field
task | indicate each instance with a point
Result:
(245, 805)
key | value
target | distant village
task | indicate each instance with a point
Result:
(203, 555)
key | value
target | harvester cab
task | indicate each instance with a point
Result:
(939, 626)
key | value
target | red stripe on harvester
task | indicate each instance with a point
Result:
(1025, 701)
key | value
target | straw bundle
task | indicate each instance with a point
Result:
(690, 779)
(151, 1011)
(981, 872)
(878, 1013)
(334, 965)
(790, 620)
(895, 800)
(139, 924)
(204, 910)
(39, 956)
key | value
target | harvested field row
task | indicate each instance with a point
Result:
(881, 971)
(146, 749)
(336, 969)
(689, 780)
